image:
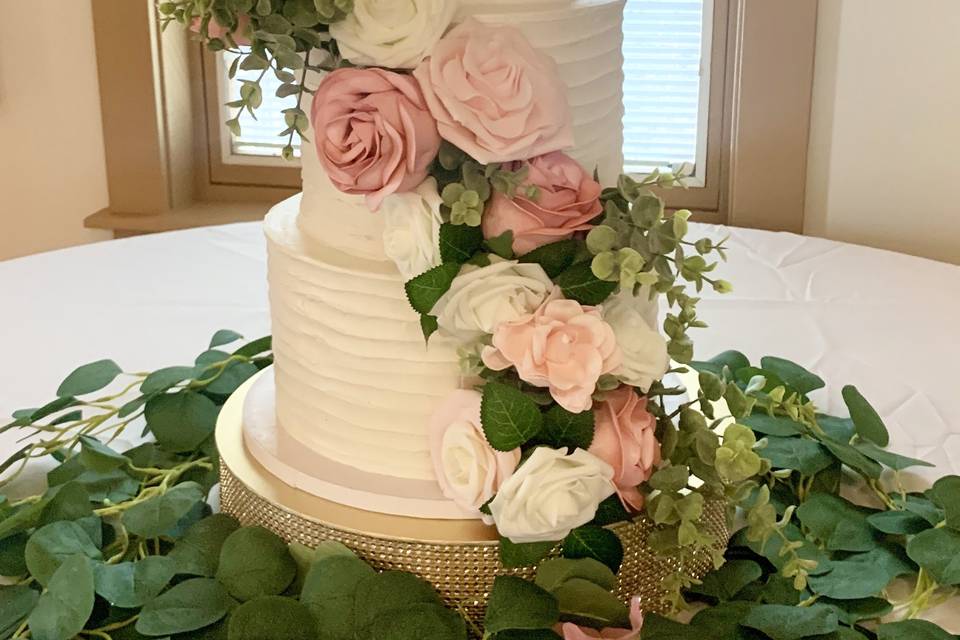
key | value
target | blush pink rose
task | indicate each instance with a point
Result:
(494, 95)
(625, 439)
(563, 346)
(570, 631)
(373, 132)
(468, 470)
(567, 199)
(241, 35)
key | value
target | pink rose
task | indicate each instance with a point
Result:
(494, 95)
(373, 132)
(567, 199)
(468, 470)
(562, 345)
(570, 631)
(216, 30)
(625, 439)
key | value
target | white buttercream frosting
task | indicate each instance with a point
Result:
(354, 379)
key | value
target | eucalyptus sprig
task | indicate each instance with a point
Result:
(285, 37)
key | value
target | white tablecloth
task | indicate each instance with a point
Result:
(883, 321)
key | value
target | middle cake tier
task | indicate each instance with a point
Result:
(356, 381)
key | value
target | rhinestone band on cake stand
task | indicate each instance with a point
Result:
(459, 557)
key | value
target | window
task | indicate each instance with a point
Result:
(258, 139)
(666, 51)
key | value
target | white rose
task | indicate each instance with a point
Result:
(411, 235)
(468, 470)
(481, 298)
(644, 349)
(550, 495)
(397, 34)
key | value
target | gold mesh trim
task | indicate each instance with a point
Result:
(463, 572)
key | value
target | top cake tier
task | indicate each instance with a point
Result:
(584, 37)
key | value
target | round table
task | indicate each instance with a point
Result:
(883, 321)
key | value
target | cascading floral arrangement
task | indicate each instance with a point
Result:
(549, 284)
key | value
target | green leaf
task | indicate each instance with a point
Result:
(99, 457)
(63, 609)
(416, 622)
(518, 604)
(853, 611)
(806, 456)
(425, 290)
(255, 562)
(772, 549)
(772, 425)
(782, 622)
(555, 571)
(256, 347)
(578, 283)
(912, 630)
(840, 429)
(594, 542)
(527, 554)
(865, 417)
(16, 603)
(502, 245)
(132, 584)
(429, 326)
(937, 551)
(587, 603)
(898, 522)
(729, 580)
(51, 545)
(889, 458)
(851, 457)
(793, 374)
(837, 523)
(562, 428)
(862, 575)
(329, 590)
(733, 360)
(163, 379)
(389, 592)
(12, 562)
(509, 417)
(946, 495)
(188, 606)
(232, 377)
(89, 378)
(554, 257)
(181, 421)
(611, 511)
(198, 551)
(70, 501)
(157, 515)
(273, 617)
(458, 242)
(921, 506)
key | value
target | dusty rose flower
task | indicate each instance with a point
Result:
(468, 470)
(570, 631)
(624, 438)
(494, 95)
(567, 198)
(373, 132)
(563, 346)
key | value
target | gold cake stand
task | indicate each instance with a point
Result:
(459, 557)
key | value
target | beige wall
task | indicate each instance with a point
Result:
(884, 162)
(52, 171)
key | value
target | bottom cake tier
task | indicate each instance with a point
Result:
(459, 557)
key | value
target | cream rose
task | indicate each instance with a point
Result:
(644, 349)
(551, 494)
(411, 235)
(468, 470)
(482, 298)
(396, 34)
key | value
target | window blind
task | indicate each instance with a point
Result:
(662, 48)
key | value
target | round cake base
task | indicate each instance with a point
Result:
(459, 557)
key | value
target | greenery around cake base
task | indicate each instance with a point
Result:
(123, 544)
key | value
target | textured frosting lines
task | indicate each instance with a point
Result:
(584, 37)
(354, 380)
